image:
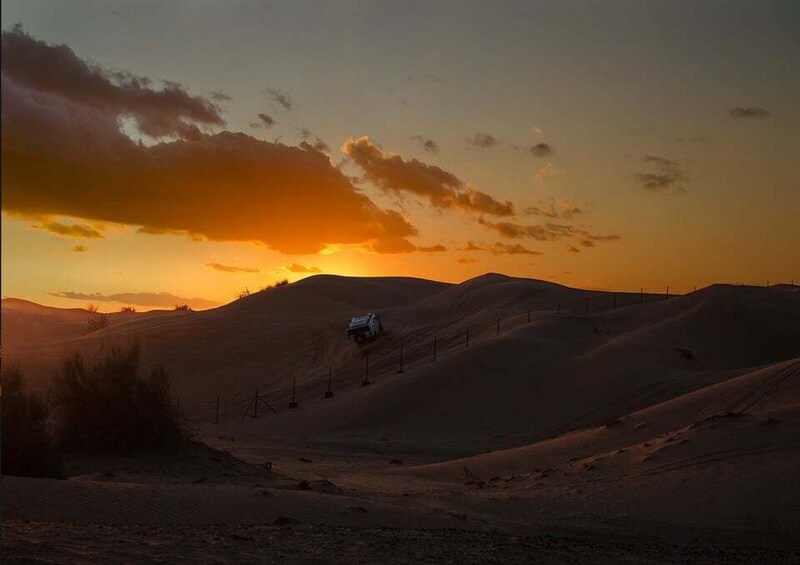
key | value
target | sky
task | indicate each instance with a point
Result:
(162, 153)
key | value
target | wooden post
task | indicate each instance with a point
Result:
(365, 382)
(216, 411)
(293, 402)
(667, 291)
(400, 370)
(329, 392)
(641, 296)
(558, 308)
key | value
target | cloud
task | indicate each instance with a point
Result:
(541, 150)
(229, 269)
(429, 145)
(71, 230)
(482, 140)
(438, 248)
(56, 71)
(573, 249)
(749, 112)
(545, 232)
(279, 97)
(220, 96)
(667, 176)
(444, 190)
(64, 153)
(555, 209)
(467, 260)
(544, 173)
(295, 268)
(264, 120)
(154, 299)
(316, 143)
(500, 248)
(80, 249)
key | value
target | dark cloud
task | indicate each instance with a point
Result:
(443, 189)
(667, 176)
(429, 145)
(154, 299)
(280, 97)
(56, 74)
(545, 232)
(229, 269)
(555, 209)
(438, 248)
(573, 249)
(295, 268)
(64, 154)
(541, 150)
(265, 120)
(749, 112)
(482, 140)
(500, 248)
(312, 141)
(80, 249)
(70, 230)
(219, 96)
(467, 260)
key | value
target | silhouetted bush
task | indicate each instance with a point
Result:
(128, 310)
(27, 449)
(183, 308)
(245, 293)
(97, 320)
(107, 406)
(283, 282)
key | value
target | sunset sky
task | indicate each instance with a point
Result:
(163, 152)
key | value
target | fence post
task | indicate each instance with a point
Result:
(641, 295)
(293, 402)
(400, 370)
(365, 382)
(558, 308)
(667, 291)
(329, 392)
(216, 411)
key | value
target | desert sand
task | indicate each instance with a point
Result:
(649, 429)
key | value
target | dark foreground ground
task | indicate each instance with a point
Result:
(288, 541)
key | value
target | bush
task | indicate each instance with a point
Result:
(108, 407)
(128, 310)
(183, 308)
(27, 449)
(283, 282)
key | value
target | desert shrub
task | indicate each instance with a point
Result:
(183, 308)
(107, 406)
(283, 282)
(128, 310)
(245, 293)
(27, 449)
(97, 320)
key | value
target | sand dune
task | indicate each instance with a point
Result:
(668, 419)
